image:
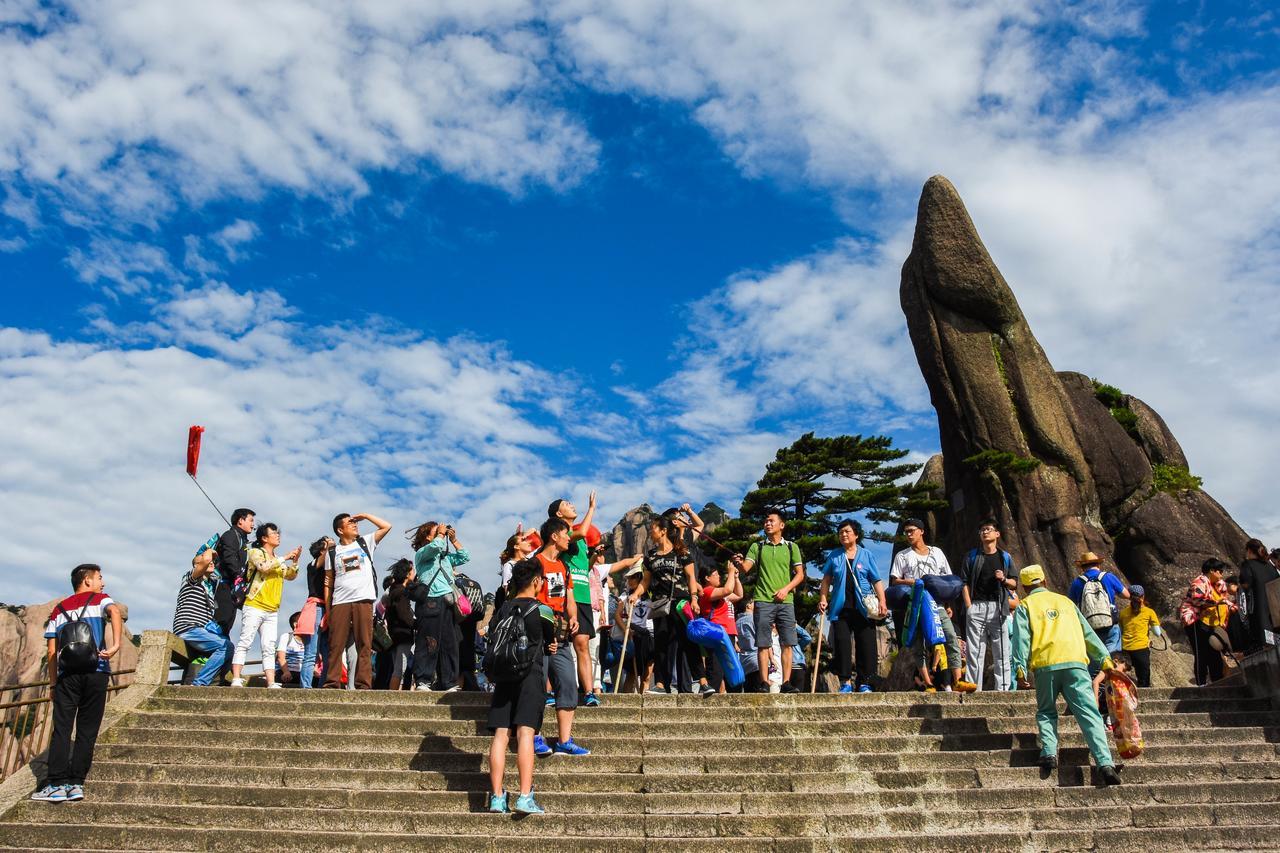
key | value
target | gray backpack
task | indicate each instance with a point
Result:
(1095, 604)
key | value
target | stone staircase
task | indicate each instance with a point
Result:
(252, 769)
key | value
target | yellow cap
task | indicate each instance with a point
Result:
(1031, 575)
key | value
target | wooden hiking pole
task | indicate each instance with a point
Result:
(817, 656)
(622, 658)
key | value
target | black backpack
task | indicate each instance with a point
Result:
(472, 590)
(77, 649)
(509, 656)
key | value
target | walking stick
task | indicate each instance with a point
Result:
(622, 658)
(817, 656)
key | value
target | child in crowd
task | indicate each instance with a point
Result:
(714, 602)
(640, 651)
(401, 621)
(289, 651)
(746, 640)
(517, 707)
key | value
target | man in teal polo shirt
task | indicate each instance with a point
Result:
(781, 571)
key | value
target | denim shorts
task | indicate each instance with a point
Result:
(770, 614)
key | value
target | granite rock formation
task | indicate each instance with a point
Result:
(23, 648)
(1035, 448)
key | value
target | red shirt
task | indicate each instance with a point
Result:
(557, 587)
(717, 612)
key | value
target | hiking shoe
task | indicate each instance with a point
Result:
(865, 688)
(51, 794)
(526, 804)
(1109, 775)
(237, 682)
(1047, 762)
(592, 701)
(74, 793)
(846, 688)
(963, 686)
(707, 690)
(568, 747)
(788, 687)
(540, 747)
(498, 803)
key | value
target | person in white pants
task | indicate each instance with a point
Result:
(987, 574)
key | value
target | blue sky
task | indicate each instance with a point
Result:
(455, 262)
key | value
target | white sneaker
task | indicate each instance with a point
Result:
(237, 682)
(423, 688)
(275, 686)
(454, 689)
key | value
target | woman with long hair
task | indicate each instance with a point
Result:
(1255, 573)
(519, 546)
(436, 553)
(668, 579)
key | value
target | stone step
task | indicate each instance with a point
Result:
(516, 836)
(626, 804)
(586, 723)
(383, 698)
(569, 774)
(658, 761)
(625, 740)
(708, 712)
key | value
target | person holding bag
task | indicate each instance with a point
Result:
(852, 579)
(435, 652)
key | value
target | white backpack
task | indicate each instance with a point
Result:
(1095, 604)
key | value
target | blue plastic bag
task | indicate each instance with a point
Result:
(711, 636)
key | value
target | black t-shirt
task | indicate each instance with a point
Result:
(983, 585)
(315, 580)
(666, 575)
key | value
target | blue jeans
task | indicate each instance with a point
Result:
(210, 641)
(317, 644)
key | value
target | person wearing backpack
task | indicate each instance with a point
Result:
(916, 562)
(267, 574)
(781, 570)
(435, 651)
(79, 674)
(1094, 593)
(232, 565)
(469, 629)
(522, 633)
(987, 572)
(352, 589)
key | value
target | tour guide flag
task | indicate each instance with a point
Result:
(193, 449)
(193, 463)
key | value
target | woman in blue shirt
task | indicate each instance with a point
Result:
(852, 580)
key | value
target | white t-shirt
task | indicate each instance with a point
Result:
(911, 566)
(353, 572)
(600, 575)
(640, 617)
(506, 571)
(293, 649)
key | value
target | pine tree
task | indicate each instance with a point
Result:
(817, 482)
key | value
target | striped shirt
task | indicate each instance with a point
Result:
(195, 604)
(95, 606)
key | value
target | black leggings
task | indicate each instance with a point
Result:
(851, 632)
(1208, 660)
(1141, 665)
(673, 650)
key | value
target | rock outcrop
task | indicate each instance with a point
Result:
(23, 648)
(1060, 470)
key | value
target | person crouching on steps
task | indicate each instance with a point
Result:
(1052, 638)
(517, 707)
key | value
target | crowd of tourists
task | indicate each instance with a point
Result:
(567, 626)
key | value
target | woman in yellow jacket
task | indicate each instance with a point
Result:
(1052, 639)
(267, 574)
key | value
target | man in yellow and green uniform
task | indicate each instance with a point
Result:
(1052, 639)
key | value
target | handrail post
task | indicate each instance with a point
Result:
(158, 651)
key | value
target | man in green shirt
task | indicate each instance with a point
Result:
(578, 559)
(781, 571)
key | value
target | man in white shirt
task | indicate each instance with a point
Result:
(352, 590)
(909, 565)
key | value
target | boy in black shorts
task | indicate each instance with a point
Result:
(517, 706)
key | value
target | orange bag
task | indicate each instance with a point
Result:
(1122, 700)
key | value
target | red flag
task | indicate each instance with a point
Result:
(193, 449)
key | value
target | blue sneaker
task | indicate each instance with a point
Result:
(846, 688)
(51, 794)
(540, 747)
(74, 793)
(865, 688)
(592, 701)
(498, 804)
(568, 747)
(526, 804)
(551, 699)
